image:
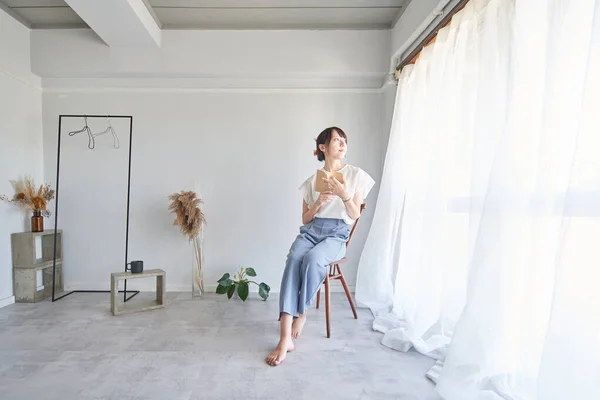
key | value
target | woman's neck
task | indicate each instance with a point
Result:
(333, 165)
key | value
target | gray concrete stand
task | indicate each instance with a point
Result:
(26, 263)
(118, 307)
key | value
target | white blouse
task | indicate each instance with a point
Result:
(356, 179)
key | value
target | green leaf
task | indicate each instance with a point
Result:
(221, 289)
(243, 291)
(225, 281)
(230, 291)
(263, 290)
(266, 287)
(250, 271)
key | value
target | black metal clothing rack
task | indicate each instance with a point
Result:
(60, 118)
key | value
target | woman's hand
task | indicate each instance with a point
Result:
(337, 188)
(309, 213)
(324, 198)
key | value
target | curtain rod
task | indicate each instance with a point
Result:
(412, 57)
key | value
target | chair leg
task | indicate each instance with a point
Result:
(327, 305)
(318, 297)
(347, 292)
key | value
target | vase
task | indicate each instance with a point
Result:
(37, 222)
(198, 270)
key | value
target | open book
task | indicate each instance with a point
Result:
(321, 185)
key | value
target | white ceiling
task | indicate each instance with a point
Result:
(227, 14)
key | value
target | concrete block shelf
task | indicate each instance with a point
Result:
(26, 264)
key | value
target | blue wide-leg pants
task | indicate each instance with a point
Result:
(320, 242)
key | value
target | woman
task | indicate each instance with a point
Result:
(326, 218)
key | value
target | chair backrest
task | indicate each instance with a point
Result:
(362, 208)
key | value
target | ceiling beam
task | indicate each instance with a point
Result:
(13, 14)
(276, 3)
(400, 12)
(119, 23)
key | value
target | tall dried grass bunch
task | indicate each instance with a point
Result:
(188, 215)
(190, 220)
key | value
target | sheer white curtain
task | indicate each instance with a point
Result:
(484, 248)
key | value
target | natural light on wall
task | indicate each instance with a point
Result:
(484, 252)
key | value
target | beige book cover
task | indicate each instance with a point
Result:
(321, 185)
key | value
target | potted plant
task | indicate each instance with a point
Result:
(240, 280)
(28, 197)
(190, 220)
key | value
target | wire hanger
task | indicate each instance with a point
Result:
(92, 136)
(112, 131)
(91, 141)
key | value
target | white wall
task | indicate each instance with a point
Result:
(276, 59)
(20, 136)
(245, 152)
(389, 101)
(232, 115)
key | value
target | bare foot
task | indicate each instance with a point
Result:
(297, 325)
(278, 355)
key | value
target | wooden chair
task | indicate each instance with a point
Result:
(335, 272)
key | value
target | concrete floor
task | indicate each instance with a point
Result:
(208, 348)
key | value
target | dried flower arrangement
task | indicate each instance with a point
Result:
(190, 220)
(28, 197)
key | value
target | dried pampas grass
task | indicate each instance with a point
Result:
(190, 220)
(188, 216)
